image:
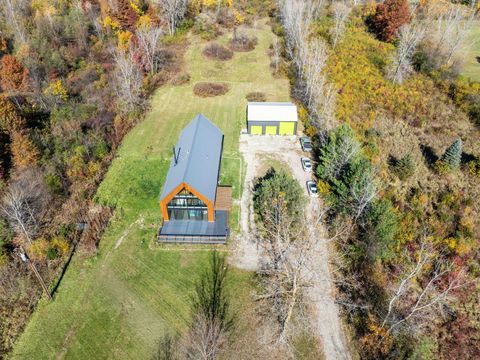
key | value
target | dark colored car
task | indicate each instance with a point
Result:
(306, 143)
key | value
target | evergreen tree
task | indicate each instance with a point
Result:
(341, 148)
(275, 190)
(404, 168)
(453, 155)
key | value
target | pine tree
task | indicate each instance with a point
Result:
(453, 155)
(405, 167)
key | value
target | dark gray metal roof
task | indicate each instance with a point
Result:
(199, 150)
(196, 227)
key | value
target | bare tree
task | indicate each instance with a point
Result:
(128, 79)
(173, 12)
(205, 338)
(448, 33)
(24, 203)
(410, 36)
(287, 247)
(309, 58)
(363, 192)
(148, 37)
(13, 14)
(340, 15)
(297, 16)
(439, 278)
(318, 94)
(276, 54)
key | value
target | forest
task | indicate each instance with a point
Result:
(381, 90)
(397, 139)
(75, 77)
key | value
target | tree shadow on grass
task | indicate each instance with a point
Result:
(466, 158)
(428, 154)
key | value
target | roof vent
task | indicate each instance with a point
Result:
(176, 156)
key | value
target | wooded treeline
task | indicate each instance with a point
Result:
(396, 134)
(75, 76)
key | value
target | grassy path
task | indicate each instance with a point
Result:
(118, 303)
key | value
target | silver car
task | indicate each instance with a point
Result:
(306, 164)
(312, 188)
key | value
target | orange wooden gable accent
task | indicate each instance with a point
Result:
(170, 196)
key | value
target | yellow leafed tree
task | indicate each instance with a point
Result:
(124, 38)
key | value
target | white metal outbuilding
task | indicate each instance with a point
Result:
(272, 118)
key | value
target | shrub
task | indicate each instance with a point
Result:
(206, 29)
(38, 250)
(243, 43)
(54, 183)
(216, 51)
(206, 89)
(474, 167)
(256, 96)
(403, 168)
(180, 79)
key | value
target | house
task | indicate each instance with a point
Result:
(195, 209)
(272, 118)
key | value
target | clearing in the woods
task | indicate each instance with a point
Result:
(118, 303)
(472, 59)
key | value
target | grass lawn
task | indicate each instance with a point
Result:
(472, 66)
(120, 302)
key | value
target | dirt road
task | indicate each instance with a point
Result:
(255, 151)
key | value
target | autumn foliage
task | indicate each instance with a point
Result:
(389, 17)
(9, 118)
(13, 76)
(24, 152)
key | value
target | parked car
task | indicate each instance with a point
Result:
(306, 164)
(312, 188)
(306, 143)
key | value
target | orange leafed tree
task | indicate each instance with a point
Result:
(23, 150)
(389, 17)
(13, 75)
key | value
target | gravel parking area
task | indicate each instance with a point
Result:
(254, 150)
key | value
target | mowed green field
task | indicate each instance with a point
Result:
(120, 302)
(471, 67)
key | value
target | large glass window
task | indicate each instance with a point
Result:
(187, 214)
(186, 206)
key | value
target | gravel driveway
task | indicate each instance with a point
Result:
(286, 149)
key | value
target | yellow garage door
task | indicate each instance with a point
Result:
(287, 128)
(271, 130)
(256, 130)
